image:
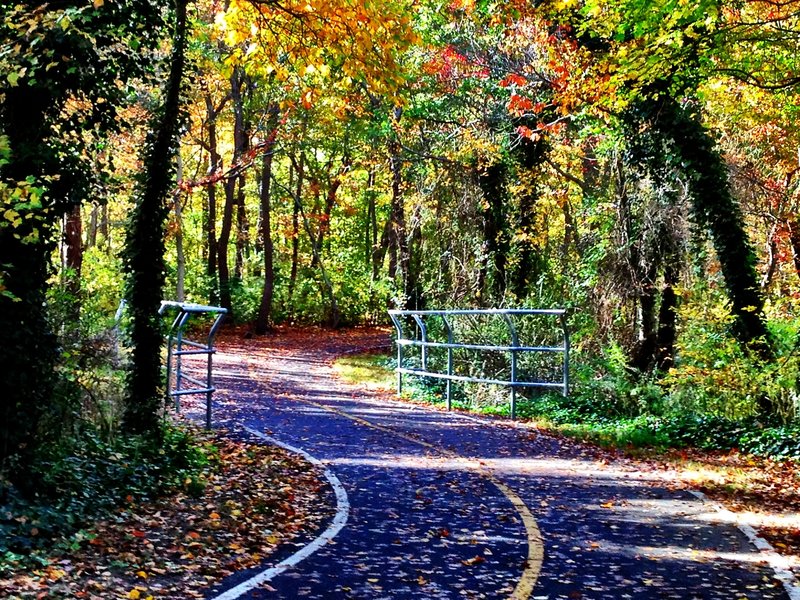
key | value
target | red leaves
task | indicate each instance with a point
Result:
(513, 79)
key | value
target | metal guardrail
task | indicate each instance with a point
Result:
(421, 339)
(176, 341)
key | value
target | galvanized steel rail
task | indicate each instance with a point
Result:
(175, 351)
(421, 339)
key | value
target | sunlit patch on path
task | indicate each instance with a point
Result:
(449, 506)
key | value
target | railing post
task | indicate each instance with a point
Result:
(209, 378)
(400, 337)
(424, 333)
(172, 330)
(515, 345)
(450, 340)
(175, 349)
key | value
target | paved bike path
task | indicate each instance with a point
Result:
(438, 503)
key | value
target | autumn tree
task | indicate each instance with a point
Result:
(67, 69)
(144, 250)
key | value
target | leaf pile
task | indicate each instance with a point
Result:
(254, 498)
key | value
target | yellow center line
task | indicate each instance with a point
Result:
(533, 564)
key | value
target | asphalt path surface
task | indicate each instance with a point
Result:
(444, 505)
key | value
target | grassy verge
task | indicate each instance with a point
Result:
(589, 418)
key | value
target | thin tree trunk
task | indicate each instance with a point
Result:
(325, 220)
(264, 318)
(492, 181)
(91, 234)
(333, 317)
(210, 222)
(105, 225)
(222, 247)
(299, 171)
(398, 243)
(73, 249)
(371, 226)
(242, 230)
(239, 145)
(180, 257)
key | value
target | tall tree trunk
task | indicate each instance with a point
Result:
(492, 181)
(145, 246)
(239, 146)
(223, 241)
(325, 220)
(371, 227)
(333, 316)
(530, 155)
(73, 251)
(264, 318)
(210, 221)
(415, 291)
(398, 242)
(28, 350)
(91, 234)
(180, 258)
(298, 165)
(667, 321)
(242, 230)
(105, 225)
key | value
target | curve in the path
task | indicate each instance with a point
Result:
(338, 523)
(427, 521)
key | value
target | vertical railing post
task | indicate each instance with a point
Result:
(400, 337)
(170, 342)
(184, 317)
(423, 331)
(514, 346)
(209, 376)
(450, 340)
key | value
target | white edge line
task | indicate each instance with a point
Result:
(339, 521)
(778, 564)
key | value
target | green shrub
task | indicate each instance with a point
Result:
(69, 485)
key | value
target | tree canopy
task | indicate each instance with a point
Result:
(319, 162)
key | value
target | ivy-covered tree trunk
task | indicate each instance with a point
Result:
(28, 348)
(530, 156)
(492, 181)
(144, 249)
(715, 209)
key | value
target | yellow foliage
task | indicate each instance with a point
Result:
(309, 42)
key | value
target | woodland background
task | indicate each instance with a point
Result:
(318, 162)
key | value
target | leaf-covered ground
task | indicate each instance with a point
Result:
(255, 499)
(763, 493)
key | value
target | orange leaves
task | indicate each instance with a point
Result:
(513, 79)
(475, 560)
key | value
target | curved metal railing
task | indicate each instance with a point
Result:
(415, 323)
(176, 341)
